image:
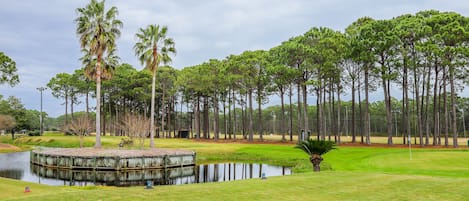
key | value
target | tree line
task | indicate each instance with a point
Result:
(424, 55)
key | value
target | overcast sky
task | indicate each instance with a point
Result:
(40, 34)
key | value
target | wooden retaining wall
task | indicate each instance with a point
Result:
(112, 162)
(116, 178)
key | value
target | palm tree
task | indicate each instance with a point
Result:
(98, 30)
(153, 48)
(315, 149)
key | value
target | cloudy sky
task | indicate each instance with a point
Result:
(40, 34)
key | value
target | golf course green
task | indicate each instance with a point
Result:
(348, 173)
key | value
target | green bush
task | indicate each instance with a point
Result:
(34, 133)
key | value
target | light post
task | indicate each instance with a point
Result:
(395, 122)
(41, 122)
(273, 121)
(463, 123)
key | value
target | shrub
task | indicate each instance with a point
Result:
(34, 133)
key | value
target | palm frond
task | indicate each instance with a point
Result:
(315, 147)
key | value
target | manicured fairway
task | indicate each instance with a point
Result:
(349, 173)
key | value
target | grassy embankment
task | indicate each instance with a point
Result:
(350, 173)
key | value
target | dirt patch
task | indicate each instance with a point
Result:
(8, 147)
(346, 144)
(244, 141)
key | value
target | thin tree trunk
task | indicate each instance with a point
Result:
(353, 113)
(206, 119)
(234, 115)
(454, 127)
(445, 105)
(299, 120)
(436, 114)
(260, 124)
(305, 111)
(367, 105)
(230, 125)
(66, 108)
(282, 115)
(250, 131)
(225, 125)
(417, 106)
(197, 117)
(318, 121)
(291, 113)
(163, 109)
(339, 131)
(360, 112)
(215, 116)
(427, 103)
(71, 107)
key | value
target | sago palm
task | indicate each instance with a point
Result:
(315, 149)
(153, 47)
(98, 30)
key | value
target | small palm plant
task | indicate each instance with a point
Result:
(315, 149)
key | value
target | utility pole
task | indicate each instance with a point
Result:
(41, 120)
(463, 123)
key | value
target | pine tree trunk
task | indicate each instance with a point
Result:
(206, 121)
(234, 116)
(261, 125)
(282, 115)
(353, 113)
(445, 105)
(454, 127)
(339, 131)
(305, 111)
(215, 116)
(367, 105)
(250, 129)
(436, 114)
(291, 113)
(197, 117)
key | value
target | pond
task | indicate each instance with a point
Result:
(17, 166)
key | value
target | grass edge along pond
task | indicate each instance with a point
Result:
(349, 173)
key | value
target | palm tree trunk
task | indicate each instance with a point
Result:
(316, 160)
(152, 111)
(98, 103)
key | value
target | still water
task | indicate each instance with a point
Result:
(17, 166)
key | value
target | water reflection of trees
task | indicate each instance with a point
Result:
(12, 173)
(171, 176)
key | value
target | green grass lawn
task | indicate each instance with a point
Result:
(349, 173)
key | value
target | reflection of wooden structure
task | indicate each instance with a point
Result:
(117, 178)
(112, 159)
